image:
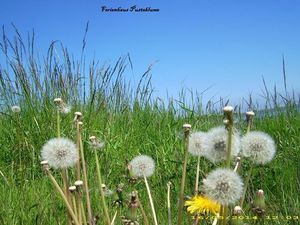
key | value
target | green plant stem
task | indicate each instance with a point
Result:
(78, 150)
(58, 122)
(225, 212)
(85, 182)
(229, 117)
(197, 176)
(181, 194)
(101, 190)
(229, 145)
(145, 218)
(83, 214)
(78, 205)
(151, 200)
(59, 190)
(246, 185)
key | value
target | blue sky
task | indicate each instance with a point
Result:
(228, 45)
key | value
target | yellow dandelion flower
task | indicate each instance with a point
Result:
(202, 204)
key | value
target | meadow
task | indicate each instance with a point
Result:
(130, 121)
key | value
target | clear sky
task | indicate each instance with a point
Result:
(228, 44)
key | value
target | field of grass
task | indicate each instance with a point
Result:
(131, 122)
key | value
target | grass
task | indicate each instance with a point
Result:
(131, 122)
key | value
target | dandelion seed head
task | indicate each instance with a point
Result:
(15, 109)
(223, 186)
(60, 153)
(215, 144)
(258, 146)
(196, 143)
(95, 143)
(142, 165)
(65, 109)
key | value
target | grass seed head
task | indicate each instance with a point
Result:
(223, 186)
(258, 146)
(60, 153)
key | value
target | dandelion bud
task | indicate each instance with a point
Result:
(238, 219)
(132, 208)
(78, 116)
(227, 109)
(45, 165)
(58, 100)
(225, 122)
(186, 126)
(250, 113)
(78, 183)
(259, 205)
(15, 109)
(237, 210)
(72, 189)
(92, 138)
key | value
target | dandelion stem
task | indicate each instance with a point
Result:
(83, 214)
(169, 203)
(58, 123)
(197, 176)
(225, 212)
(85, 182)
(114, 218)
(78, 206)
(151, 201)
(69, 208)
(101, 190)
(187, 128)
(78, 149)
(228, 111)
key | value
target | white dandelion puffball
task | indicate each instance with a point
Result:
(196, 143)
(224, 186)
(215, 145)
(60, 153)
(65, 109)
(258, 146)
(15, 109)
(142, 165)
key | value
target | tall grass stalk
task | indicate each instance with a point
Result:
(145, 217)
(103, 203)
